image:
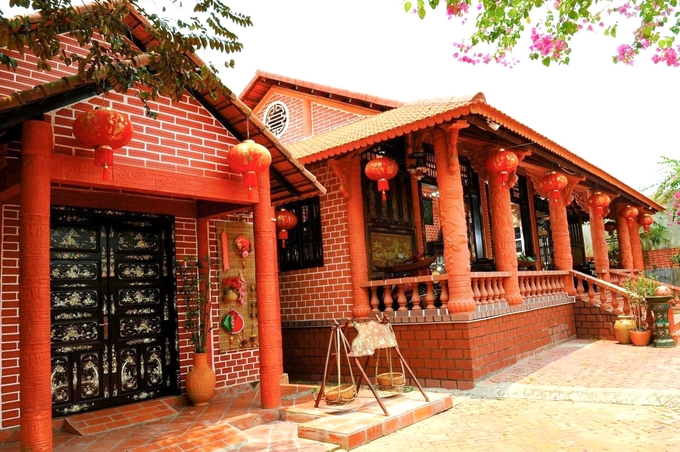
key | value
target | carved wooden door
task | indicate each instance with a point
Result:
(114, 320)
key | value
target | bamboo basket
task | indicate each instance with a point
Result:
(389, 380)
(340, 394)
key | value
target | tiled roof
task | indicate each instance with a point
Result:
(418, 115)
(260, 84)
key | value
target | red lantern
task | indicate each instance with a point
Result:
(553, 182)
(284, 221)
(599, 201)
(646, 221)
(502, 163)
(382, 169)
(629, 213)
(249, 158)
(104, 130)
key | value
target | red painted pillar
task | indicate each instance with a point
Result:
(600, 250)
(202, 240)
(623, 235)
(503, 234)
(559, 227)
(452, 218)
(34, 287)
(268, 311)
(636, 246)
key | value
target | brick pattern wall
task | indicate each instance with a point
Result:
(185, 138)
(659, 258)
(593, 322)
(442, 355)
(9, 321)
(322, 293)
(295, 130)
(325, 118)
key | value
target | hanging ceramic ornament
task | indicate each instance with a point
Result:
(243, 247)
(233, 322)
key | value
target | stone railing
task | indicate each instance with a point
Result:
(617, 275)
(606, 295)
(398, 294)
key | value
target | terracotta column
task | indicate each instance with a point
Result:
(623, 236)
(503, 234)
(268, 311)
(559, 228)
(348, 171)
(452, 218)
(34, 287)
(636, 246)
(415, 199)
(598, 234)
(203, 251)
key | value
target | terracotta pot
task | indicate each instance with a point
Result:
(231, 296)
(640, 338)
(622, 327)
(200, 381)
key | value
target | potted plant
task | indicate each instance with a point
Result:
(639, 289)
(232, 285)
(193, 276)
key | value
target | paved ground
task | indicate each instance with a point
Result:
(581, 396)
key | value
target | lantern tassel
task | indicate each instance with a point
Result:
(250, 181)
(107, 172)
(283, 234)
(646, 228)
(599, 210)
(283, 243)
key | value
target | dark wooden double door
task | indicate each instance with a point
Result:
(114, 319)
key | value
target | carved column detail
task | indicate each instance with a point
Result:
(34, 287)
(268, 303)
(452, 217)
(598, 234)
(623, 235)
(636, 245)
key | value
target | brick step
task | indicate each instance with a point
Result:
(106, 420)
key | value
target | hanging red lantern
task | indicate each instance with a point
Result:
(599, 201)
(104, 130)
(285, 220)
(553, 182)
(382, 169)
(502, 162)
(630, 213)
(646, 221)
(610, 227)
(249, 158)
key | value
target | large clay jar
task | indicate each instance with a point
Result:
(200, 381)
(640, 338)
(622, 327)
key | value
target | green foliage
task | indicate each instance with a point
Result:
(656, 235)
(193, 277)
(670, 180)
(638, 289)
(675, 259)
(112, 59)
(501, 24)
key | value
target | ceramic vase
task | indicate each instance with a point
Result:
(640, 338)
(200, 381)
(622, 327)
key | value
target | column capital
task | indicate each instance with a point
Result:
(536, 173)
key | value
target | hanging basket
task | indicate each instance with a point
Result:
(390, 380)
(340, 394)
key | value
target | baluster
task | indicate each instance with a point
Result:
(401, 298)
(579, 287)
(475, 289)
(545, 288)
(591, 292)
(560, 284)
(489, 290)
(604, 299)
(482, 292)
(550, 283)
(387, 298)
(615, 303)
(375, 301)
(444, 294)
(522, 286)
(496, 292)
(429, 296)
(501, 287)
(415, 298)
(626, 305)
(532, 282)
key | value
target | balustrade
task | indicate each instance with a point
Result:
(603, 294)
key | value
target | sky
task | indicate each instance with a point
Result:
(618, 117)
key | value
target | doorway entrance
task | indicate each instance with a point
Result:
(113, 312)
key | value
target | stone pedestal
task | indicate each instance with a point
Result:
(662, 331)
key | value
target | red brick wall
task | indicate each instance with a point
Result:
(446, 355)
(325, 118)
(659, 258)
(185, 138)
(322, 293)
(9, 293)
(593, 323)
(295, 130)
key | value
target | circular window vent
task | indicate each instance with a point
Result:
(276, 118)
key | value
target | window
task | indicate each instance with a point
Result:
(276, 118)
(304, 247)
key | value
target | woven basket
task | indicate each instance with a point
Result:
(390, 379)
(342, 393)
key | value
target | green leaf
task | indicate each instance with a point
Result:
(407, 6)
(546, 61)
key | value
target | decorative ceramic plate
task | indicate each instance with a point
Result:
(233, 322)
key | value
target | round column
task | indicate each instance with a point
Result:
(623, 236)
(598, 234)
(268, 311)
(452, 219)
(357, 238)
(34, 287)
(636, 246)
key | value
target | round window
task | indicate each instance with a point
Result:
(276, 118)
